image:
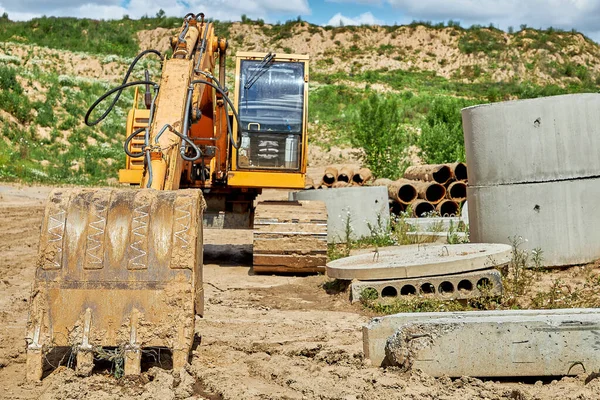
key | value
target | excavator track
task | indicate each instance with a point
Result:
(290, 237)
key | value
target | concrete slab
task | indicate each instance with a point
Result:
(535, 140)
(377, 332)
(436, 237)
(499, 345)
(365, 208)
(561, 218)
(447, 287)
(415, 261)
(437, 223)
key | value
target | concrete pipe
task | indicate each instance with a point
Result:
(430, 191)
(448, 208)
(309, 184)
(457, 191)
(536, 140)
(346, 174)
(403, 191)
(362, 176)
(459, 171)
(382, 182)
(396, 208)
(533, 174)
(421, 207)
(339, 184)
(439, 173)
(330, 176)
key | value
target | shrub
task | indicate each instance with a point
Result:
(377, 129)
(45, 116)
(441, 138)
(483, 40)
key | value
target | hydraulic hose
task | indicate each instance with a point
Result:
(202, 45)
(119, 89)
(129, 138)
(182, 137)
(228, 100)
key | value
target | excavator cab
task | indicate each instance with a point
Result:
(270, 104)
(271, 100)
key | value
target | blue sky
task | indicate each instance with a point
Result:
(582, 15)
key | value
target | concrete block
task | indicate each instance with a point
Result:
(365, 207)
(561, 218)
(499, 345)
(377, 332)
(435, 237)
(437, 223)
(415, 261)
(536, 140)
(446, 287)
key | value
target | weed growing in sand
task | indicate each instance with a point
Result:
(458, 233)
(115, 356)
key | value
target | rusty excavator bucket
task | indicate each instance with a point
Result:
(119, 269)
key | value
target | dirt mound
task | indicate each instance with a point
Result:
(262, 337)
(158, 39)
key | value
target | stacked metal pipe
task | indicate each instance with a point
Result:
(344, 177)
(440, 188)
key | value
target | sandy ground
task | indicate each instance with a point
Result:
(262, 337)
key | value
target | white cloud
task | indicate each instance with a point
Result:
(363, 19)
(565, 14)
(367, 2)
(109, 9)
(582, 15)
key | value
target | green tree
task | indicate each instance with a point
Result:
(441, 139)
(377, 129)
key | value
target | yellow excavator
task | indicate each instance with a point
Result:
(120, 270)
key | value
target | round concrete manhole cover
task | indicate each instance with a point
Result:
(420, 260)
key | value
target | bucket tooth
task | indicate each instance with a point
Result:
(133, 361)
(180, 358)
(117, 268)
(85, 355)
(133, 354)
(85, 362)
(35, 363)
(35, 359)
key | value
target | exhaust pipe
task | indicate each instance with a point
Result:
(330, 176)
(457, 191)
(459, 170)
(448, 208)
(362, 176)
(403, 191)
(346, 174)
(430, 191)
(421, 207)
(439, 173)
